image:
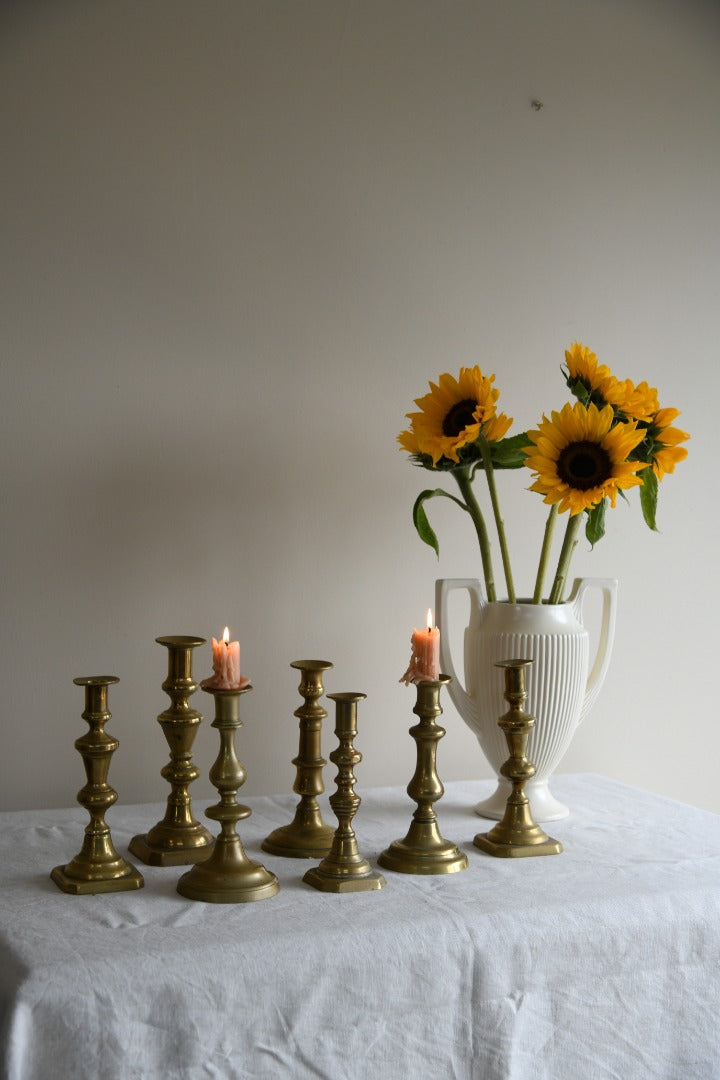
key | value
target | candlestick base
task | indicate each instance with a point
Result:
(122, 875)
(424, 850)
(299, 840)
(342, 877)
(173, 846)
(517, 836)
(307, 836)
(97, 868)
(515, 848)
(227, 876)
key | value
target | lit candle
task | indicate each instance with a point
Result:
(226, 665)
(425, 658)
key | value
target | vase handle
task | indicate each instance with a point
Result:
(458, 694)
(598, 671)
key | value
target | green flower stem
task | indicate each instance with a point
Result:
(569, 544)
(499, 523)
(462, 476)
(545, 554)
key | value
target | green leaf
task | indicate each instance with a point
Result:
(424, 529)
(649, 496)
(420, 520)
(595, 524)
(508, 453)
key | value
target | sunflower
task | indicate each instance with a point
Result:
(580, 457)
(665, 452)
(591, 381)
(453, 415)
(636, 402)
(583, 364)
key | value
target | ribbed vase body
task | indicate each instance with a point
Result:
(560, 685)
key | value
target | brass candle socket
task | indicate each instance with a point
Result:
(424, 850)
(344, 869)
(179, 838)
(227, 876)
(307, 836)
(517, 835)
(98, 867)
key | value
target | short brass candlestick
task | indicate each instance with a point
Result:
(98, 867)
(423, 850)
(344, 869)
(307, 836)
(179, 838)
(517, 835)
(227, 876)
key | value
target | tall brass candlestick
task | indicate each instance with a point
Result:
(307, 836)
(227, 876)
(98, 867)
(423, 850)
(179, 838)
(344, 869)
(517, 835)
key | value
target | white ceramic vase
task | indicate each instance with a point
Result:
(562, 684)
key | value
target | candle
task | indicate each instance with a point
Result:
(226, 665)
(425, 658)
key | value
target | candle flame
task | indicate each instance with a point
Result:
(226, 635)
(429, 619)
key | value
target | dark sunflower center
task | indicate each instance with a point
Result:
(458, 418)
(583, 465)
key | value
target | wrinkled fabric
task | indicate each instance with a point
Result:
(602, 962)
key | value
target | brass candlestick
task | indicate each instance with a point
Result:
(344, 869)
(179, 837)
(227, 876)
(424, 851)
(307, 836)
(517, 835)
(98, 867)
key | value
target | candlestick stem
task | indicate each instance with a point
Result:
(98, 867)
(344, 869)
(179, 838)
(517, 835)
(227, 876)
(424, 850)
(307, 836)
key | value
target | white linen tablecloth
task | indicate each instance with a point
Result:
(602, 962)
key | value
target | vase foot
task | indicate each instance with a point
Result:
(543, 804)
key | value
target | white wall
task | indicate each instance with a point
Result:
(238, 238)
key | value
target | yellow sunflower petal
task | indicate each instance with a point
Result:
(497, 427)
(622, 439)
(671, 436)
(408, 441)
(665, 459)
(664, 417)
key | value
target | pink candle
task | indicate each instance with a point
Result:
(425, 658)
(226, 665)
